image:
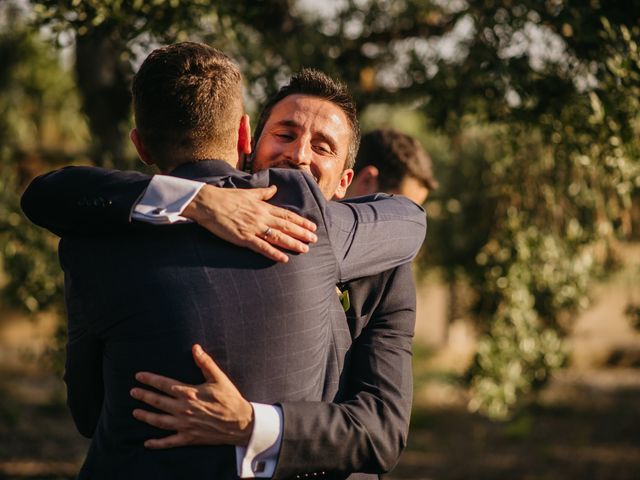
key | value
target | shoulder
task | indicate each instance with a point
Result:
(295, 188)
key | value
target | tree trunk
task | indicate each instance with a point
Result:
(103, 80)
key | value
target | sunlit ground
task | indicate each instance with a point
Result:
(584, 426)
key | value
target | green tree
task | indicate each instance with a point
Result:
(538, 101)
(39, 125)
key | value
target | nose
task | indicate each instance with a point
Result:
(300, 153)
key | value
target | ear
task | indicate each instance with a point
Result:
(244, 140)
(143, 153)
(345, 181)
(365, 182)
(244, 135)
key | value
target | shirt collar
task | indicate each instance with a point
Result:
(205, 168)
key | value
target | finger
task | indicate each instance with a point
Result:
(294, 230)
(172, 441)
(265, 193)
(210, 369)
(283, 240)
(164, 384)
(156, 400)
(294, 218)
(187, 392)
(263, 247)
(158, 420)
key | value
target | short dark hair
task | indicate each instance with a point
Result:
(317, 84)
(395, 155)
(187, 100)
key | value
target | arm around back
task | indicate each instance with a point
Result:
(375, 233)
(368, 235)
(83, 199)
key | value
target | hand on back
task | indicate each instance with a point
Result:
(243, 217)
(213, 413)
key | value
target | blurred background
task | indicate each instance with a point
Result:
(527, 348)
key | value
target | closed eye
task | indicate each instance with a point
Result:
(323, 148)
(285, 136)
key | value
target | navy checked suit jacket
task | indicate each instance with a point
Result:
(142, 299)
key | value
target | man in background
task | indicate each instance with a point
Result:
(392, 162)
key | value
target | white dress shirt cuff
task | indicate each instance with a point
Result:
(165, 199)
(259, 457)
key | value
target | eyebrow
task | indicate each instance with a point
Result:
(288, 123)
(323, 136)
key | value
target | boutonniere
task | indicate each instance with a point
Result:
(343, 295)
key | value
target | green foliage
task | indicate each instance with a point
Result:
(40, 103)
(532, 110)
(561, 191)
(37, 121)
(519, 351)
(28, 255)
(169, 20)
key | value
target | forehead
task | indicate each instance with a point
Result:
(314, 113)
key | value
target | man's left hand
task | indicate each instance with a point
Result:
(213, 413)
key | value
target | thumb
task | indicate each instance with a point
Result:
(266, 193)
(209, 368)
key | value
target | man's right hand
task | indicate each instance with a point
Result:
(212, 413)
(243, 217)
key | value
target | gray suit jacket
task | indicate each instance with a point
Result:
(157, 294)
(365, 427)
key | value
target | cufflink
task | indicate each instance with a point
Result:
(158, 211)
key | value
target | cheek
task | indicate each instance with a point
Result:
(327, 170)
(264, 152)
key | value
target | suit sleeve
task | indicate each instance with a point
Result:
(369, 235)
(368, 430)
(373, 234)
(83, 200)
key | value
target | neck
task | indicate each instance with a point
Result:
(230, 159)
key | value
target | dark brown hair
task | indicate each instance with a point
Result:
(395, 155)
(187, 101)
(317, 84)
